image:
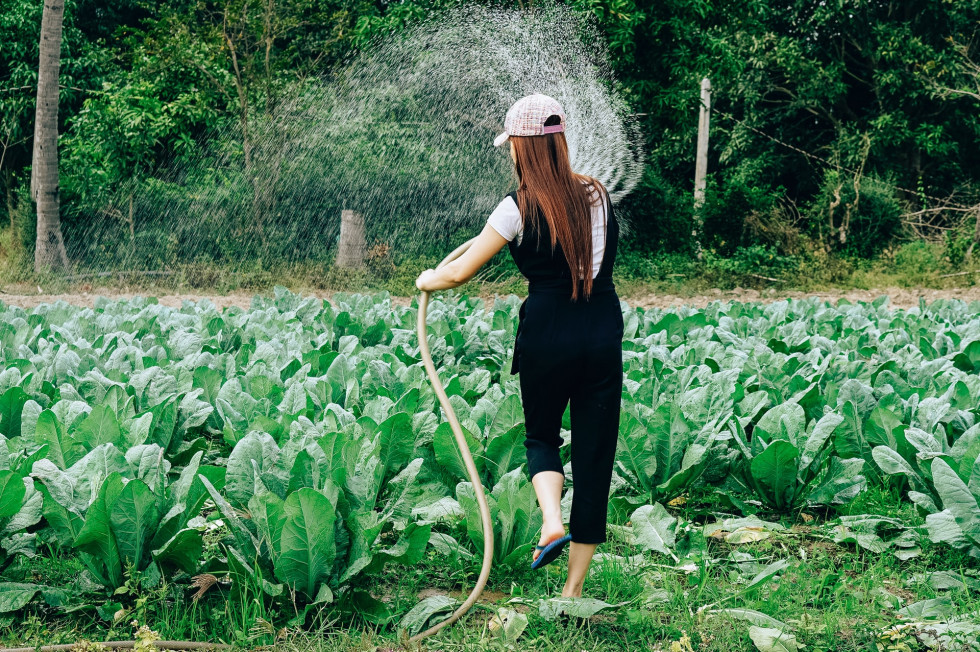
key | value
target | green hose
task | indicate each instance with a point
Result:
(481, 497)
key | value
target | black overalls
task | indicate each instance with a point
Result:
(571, 352)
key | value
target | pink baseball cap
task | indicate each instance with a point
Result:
(528, 115)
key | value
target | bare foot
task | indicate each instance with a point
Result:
(551, 530)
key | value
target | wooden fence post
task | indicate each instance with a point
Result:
(352, 248)
(701, 162)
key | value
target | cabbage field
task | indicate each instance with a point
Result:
(788, 475)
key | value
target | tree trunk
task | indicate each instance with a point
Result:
(352, 249)
(49, 252)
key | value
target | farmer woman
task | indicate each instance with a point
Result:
(562, 233)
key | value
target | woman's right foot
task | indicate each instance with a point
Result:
(550, 531)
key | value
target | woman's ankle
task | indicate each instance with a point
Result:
(552, 520)
(571, 592)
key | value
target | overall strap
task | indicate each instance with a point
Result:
(612, 239)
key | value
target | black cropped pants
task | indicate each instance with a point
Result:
(570, 353)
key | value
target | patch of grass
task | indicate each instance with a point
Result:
(834, 597)
(637, 272)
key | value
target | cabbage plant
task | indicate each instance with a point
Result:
(788, 463)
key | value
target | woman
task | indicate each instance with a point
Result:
(559, 226)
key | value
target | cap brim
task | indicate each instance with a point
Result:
(501, 139)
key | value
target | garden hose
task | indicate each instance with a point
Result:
(481, 497)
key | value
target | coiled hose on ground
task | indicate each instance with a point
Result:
(474, 475)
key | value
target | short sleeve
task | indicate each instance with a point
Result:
(506, 219)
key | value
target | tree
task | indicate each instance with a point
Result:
(49, 252)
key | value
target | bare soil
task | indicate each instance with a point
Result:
(898, 297)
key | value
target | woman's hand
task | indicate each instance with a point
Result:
(425, 279)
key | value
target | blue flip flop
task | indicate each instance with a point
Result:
(550, 552)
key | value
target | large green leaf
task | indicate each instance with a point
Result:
(786, 422)
(891, 463)
(654, 529)
(134, 518)
(397, 442)
(307, 545)
(842, 482)
(849, 437)
(12, 492)
(634, 451)
(77, 486)
(245, 539)
(268, 514)
(771, 639)
(517, 517)
(693, 465)
(29, 512)
(408, 550)
(14, 596)
(182, 551)
(670, 435)
(506, 452)
(957, 499)
(818, 438)
(509, 414)
(64, 523)
(774, 471)
(402, 493)
(96, 537)
(256, 452)
(415, 620)
(466, 496)
(885, 428)
(63, 450)
(448, 454)
(99, 427)
(364, 472)
(11, 408)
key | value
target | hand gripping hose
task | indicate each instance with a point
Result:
(464, 450)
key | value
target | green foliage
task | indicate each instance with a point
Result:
(788, 464)
(758, 260)
(295, 451)
(149, 84)
(514, 513)
(855, 216)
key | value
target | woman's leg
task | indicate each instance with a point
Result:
(548, 486)
(595, 405)
(579, 558)
(544, 396)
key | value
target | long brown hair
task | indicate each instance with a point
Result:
(549, 189)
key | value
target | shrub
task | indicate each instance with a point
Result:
(860, 222)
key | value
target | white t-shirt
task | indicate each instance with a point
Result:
(506, 220)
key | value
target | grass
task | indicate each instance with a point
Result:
(835, 597)
(912, 265)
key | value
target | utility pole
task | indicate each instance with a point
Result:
(701, 163)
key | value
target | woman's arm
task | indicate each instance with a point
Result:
(484, 247)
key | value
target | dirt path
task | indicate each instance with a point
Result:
(899, 297)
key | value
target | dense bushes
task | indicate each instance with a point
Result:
(860, 90)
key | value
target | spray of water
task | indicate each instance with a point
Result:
(403, 135)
